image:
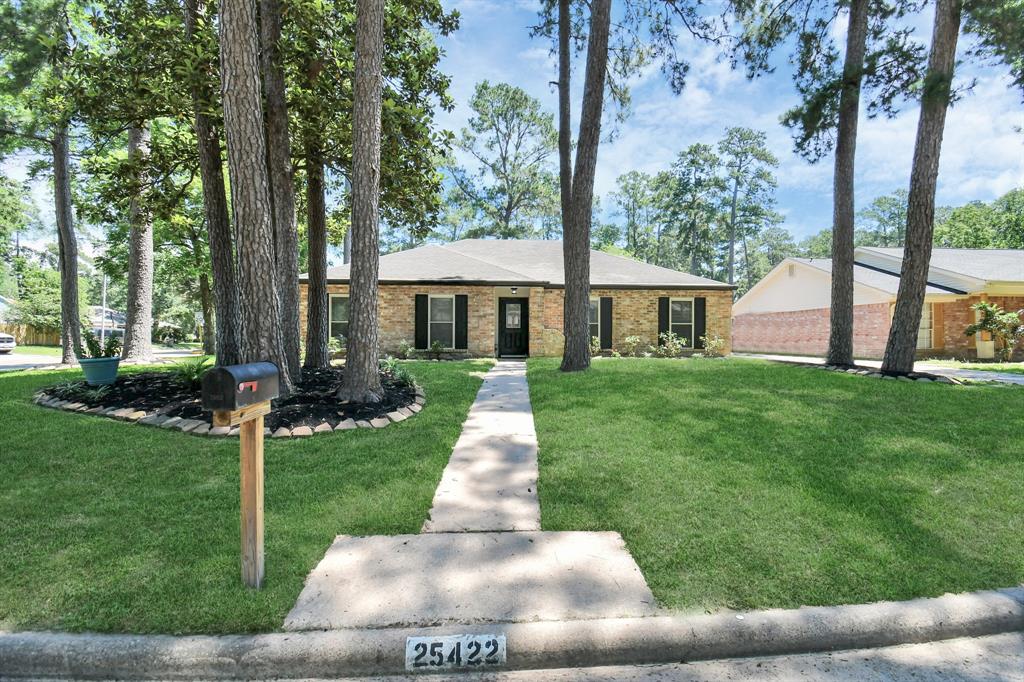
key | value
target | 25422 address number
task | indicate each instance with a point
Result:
(454, 651)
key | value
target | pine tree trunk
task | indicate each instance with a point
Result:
(564, 112)
(70, 325)
(902, 344)
(138, 326)
(261, 337)
(317, 322)
(361, 381)
(576, 237)
(840, 340)
(732, 231)
(206, 304)
(282, 192)
(215, 210)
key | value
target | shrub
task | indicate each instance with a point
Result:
(190, 372)
(1006, 328)
(631, 346)
(595, 346)
(436, 350)
(672, 346)
(714, 346)
(335, 344)
(406, 350)
(93, 349)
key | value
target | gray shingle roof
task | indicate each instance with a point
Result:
(992, 265)
(871, 278)
(518, 262)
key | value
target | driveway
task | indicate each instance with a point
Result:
(922, 366)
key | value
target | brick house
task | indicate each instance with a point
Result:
(489, 298)
(788, 310)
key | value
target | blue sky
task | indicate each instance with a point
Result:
(983, 148)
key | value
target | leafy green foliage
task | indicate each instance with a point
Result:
(511, 193)
(670, 345)
(94, 349)
(191, 370)
(1006, 328)
(714, 346)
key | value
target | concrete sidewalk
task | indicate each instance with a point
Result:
(490, 483)
(919, 366)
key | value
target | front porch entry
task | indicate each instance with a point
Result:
(513, 327)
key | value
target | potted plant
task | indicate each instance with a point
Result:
(995, 330)
(99, 362)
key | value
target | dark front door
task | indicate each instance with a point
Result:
(513, 326)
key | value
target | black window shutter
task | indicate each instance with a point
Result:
(662, 316)
(606, 322)
(421, 321)
(700, 326)
(461, 321)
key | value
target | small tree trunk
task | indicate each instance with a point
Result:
(902, 344)
(576, 239)
(215, 210)
(317, 332)
(138, 327)
(70, 329)
(206, 304)
(282, 192)
(361, 381)
(840, 340)
(261, 338)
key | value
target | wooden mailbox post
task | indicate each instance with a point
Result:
(240, 395)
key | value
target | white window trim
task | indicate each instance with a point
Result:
(692, 322)
(595, 299)
(431, 323)
(330, 311)
(930, 308)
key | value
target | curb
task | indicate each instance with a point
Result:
(539, 645)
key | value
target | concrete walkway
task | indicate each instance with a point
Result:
(919, 366)
(481, 556)
(490, 483)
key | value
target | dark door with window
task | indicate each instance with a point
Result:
(513, 326)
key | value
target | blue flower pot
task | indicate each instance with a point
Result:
(99, 371)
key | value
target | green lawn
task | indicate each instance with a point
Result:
(747, 484)
(1007, 367)
(107, 526)
(38, 350)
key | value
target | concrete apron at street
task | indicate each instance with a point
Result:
(531, 646)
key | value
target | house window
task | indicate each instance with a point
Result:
(338, 317)
(442, 321)
(681, 319)
(924, 332)
(595, 318)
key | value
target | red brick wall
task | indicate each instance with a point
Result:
(958, 315)
(805, 332)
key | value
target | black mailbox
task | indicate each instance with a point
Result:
(232, 387)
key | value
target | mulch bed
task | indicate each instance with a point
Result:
(311, 403)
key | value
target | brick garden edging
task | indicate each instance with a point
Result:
(200, 427)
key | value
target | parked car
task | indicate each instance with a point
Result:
(7, 344)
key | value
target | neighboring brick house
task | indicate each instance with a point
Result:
(504, 298)
(788, 310)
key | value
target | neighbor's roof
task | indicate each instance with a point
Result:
(518, 262)
(992, 265)
(868, 277)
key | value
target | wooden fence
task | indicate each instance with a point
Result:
(27, 335)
